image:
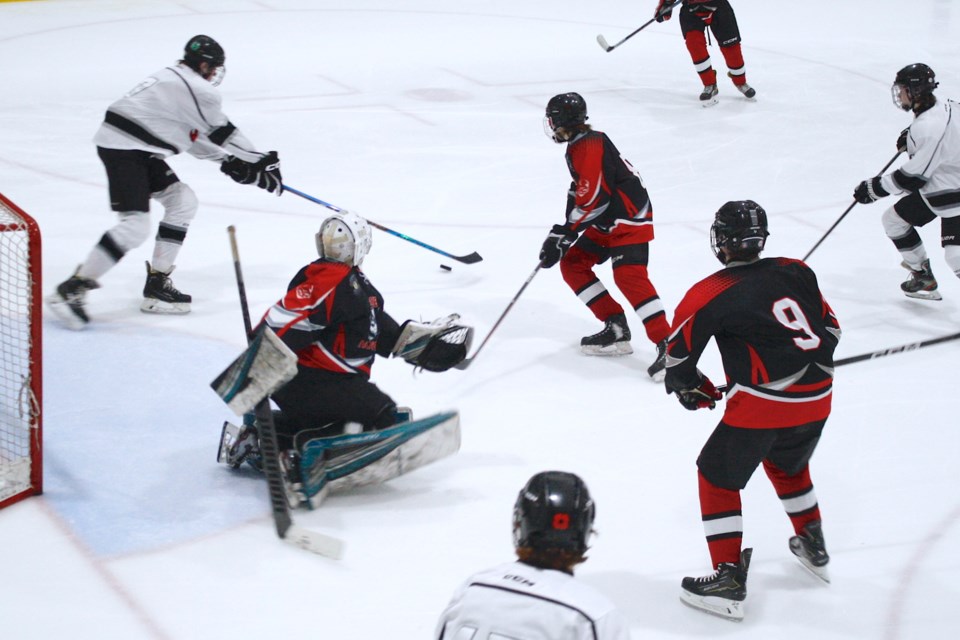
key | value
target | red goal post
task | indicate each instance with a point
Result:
(21, 398)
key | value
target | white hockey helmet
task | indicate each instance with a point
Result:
(344, 237)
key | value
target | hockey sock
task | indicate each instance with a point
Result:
(577, 271)
(697, 46)
(796, 494)
(722, 517)
(633, 281)
(733, 56)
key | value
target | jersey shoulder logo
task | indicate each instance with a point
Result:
(304, 292)
(194, 134)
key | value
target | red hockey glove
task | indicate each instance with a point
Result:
(703, 396)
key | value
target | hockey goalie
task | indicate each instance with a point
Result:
(312, 354)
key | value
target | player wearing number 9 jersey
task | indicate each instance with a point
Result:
(776, 335)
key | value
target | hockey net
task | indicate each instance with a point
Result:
(21, 467)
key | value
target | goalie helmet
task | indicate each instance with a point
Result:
(565, 112)
(553, 511)
(739, 231)
(919, 81)
(344, 237)
(205, 49)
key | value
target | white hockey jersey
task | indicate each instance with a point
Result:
(933, 169)
(516, 601)
(172, 111)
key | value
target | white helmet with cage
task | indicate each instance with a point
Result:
(344, 237)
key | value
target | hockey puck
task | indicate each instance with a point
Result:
(446, 268)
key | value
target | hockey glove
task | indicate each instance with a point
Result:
(869, 191)
(268, 173)
(239, 170)
(902, 140)
(556, 245)
(664, 10)
(434, 346)
(703, 396)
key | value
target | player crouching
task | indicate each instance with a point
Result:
(336, 428)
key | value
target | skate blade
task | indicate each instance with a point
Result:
(722, 607)
(924, 295)
(615, 349)
(150, 305)
(59, 308)
(710, 103)
(228, 435)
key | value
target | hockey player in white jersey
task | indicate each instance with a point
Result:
(174, 110)
(930, 178)
(537, 597)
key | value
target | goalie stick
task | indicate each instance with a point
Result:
(608, 48)
(470, 258)
(286, 529)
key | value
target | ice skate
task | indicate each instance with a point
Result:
(708, 97)
(748, 92)
(921, 284)
(68, 302)
(723, 592)
(292, 478)
(160, 296)
(238, 445)
(658, 370)
(811, 551)
(613, 340)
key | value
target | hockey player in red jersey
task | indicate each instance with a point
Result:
(537, 597)
(174, 110)
(334, 320)
(608, 216)
(929, 181)
(776, 335)
(696, 16)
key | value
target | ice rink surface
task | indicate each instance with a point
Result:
(425, 116)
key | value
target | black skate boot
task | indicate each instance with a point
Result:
(613, 340)
(658, 370)
(160, 296)
(811, 550)
(238, 445)
(748, 92)
(68, 302)
(708, 97)
(921, 284)
(721, 593)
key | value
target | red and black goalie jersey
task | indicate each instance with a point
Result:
(776, 335)
(605, 188)
(332, 317)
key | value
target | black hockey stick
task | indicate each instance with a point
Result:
(608, 48)
(844, 214)
(467, 361)
(467, 259)
(286, 529)
(879, 353)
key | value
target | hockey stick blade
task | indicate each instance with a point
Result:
(314, 542)
(603, 43)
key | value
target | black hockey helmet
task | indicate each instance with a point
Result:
(203, 49)
(564, 111)
(739, 227)
(919, 81)
(553, 511)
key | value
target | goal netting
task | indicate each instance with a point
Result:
(21, 469)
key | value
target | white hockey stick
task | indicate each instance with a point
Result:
(299, 537)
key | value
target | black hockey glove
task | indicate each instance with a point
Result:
(239, 170)
(703, 396)
(664, 10)
(556, 245)
(268, 173)
(869, 191)
(902, 140)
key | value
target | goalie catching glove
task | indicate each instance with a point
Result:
(702, 396)
(434, 346)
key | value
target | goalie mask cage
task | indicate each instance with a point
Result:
(21, 468)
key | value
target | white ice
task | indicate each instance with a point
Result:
(425, 116)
